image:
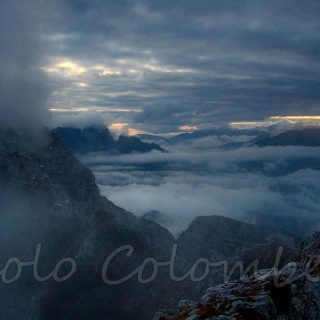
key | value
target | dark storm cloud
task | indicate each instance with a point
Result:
(192, 62)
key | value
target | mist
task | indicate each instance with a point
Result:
(268, 186)
(23, 87)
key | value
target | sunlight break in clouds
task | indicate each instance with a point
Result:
(123, 128)
(104, 71)
(187, 128)
(66, 68)
(118, 128)
(90, 109)
(134, 131)
(274, 120)
(308, 120)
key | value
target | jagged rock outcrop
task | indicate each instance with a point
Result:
(292, 292)
(217, 238)
(128, 144)
(85, 140)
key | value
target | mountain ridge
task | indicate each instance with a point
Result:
(99, 138)
(309, 137)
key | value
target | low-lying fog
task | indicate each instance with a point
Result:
(272, 186)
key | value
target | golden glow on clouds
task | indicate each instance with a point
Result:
(296, 118)
(163, 69)
(303, 120)
(82, 85)
(94, 109)
(104, 71)
(118, 128)
(123, 128)
(69, 110)
(66, 68)
(250, 124)
(134, 131)
(187, 128)
(71, 67)
(137, 67)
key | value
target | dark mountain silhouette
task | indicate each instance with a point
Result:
(99, 138)
(309, 137)
(151, 137)
(128, 144)
(212, 132)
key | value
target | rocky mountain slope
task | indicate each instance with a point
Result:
(221, 239)
(99, 138)
(292, 292)
(49, 197)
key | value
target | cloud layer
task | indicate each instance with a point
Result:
(273, 186)
(195, 63)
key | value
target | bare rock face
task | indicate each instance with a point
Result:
(221, 239)
(292, 292)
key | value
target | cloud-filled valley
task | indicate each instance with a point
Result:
(272, 186)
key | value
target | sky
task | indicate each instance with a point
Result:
(170, 66)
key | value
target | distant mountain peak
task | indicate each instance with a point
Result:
(309, 137)
(99, 138)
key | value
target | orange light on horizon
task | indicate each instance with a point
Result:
(119, 127)
(304, 118)
(81, 109)
(123, 128)
(187, 128)
(250, 124)
(134, 131)
(274, 120)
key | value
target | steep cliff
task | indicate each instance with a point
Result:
(48, 197)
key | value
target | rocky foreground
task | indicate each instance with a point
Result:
(292, 292)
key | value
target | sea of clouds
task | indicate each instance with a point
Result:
(272, 186)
